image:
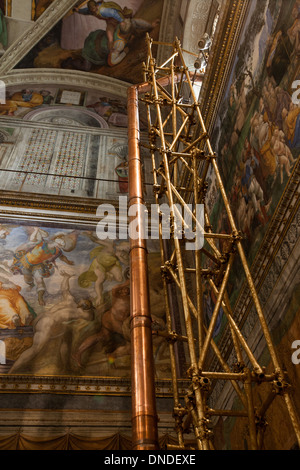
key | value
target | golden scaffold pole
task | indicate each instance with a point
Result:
(182, 155)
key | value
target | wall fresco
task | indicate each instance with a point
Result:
(106, 108)
(67, 161)
(64, 303)
(256, 135)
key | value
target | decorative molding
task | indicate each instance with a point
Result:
(51, 213)
(59, 204)
(53, 422)
(194, 27)
(112, 386)
(70, 78)
(221, 58)
(15, 122)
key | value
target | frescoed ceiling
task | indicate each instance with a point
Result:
(85, 41)
(109, 41)
(102, 38)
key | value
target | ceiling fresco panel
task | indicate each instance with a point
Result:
(100, 37)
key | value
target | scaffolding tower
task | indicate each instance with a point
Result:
(182, 156)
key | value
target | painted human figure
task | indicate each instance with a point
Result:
(114, 320)
(283, 154)
(14, 310)
(122, 35)
(113, 111)
(108, 264)
(61, 315)
(110, 12)
(251, 187)
(122, 172)
(36, 262)
(96, 50)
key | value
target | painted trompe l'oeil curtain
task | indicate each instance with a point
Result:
(20, 441)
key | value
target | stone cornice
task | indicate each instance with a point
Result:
(68, 78)
(111, 386)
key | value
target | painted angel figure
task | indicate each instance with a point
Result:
(108, 263)
(36, 259)
(5, 231)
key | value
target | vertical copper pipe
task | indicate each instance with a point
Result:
(144, 416)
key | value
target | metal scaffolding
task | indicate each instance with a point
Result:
(182, 156)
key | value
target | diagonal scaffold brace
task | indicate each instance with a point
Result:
(182, 157)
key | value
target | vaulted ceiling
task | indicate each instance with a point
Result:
(49, 42)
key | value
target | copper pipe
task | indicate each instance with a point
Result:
(163, 82)
(144, 415)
